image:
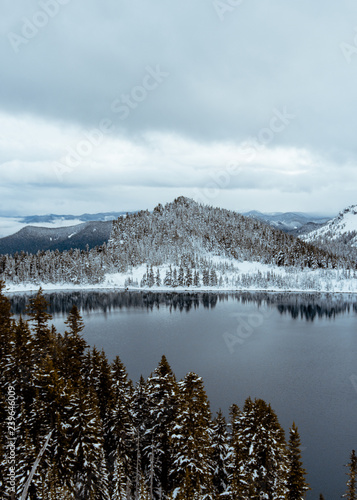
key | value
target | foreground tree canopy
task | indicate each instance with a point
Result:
(113, 440)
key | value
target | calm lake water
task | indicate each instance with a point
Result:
(298, 352)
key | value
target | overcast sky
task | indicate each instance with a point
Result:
(110, 105)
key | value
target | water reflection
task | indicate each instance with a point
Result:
(305, 306)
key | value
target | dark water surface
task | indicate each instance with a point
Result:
(298, 352)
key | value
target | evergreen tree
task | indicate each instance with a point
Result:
(89, 476)
(196, 280)
(262, 459)
(220, 456)
(206, 277)
(297, 486)
(168, 277)
(191, 441)
(351, 493)
(121, 435)
(188, 277)
(162, 401)
(181, 277)
(74, 347)
(37, 311)
(158, 278)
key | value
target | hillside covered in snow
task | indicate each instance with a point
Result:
(186, 245)
(339, 235)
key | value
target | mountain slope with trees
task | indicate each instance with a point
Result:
(184, 234)
(338, 236)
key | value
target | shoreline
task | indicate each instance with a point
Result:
(171, 290)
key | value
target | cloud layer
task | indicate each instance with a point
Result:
(142, 101)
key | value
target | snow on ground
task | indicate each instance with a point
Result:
(11, 225)
(254, 276)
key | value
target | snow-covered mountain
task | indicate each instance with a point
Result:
(338, 235)
(32, 239)
(289, 222)
(12, 224)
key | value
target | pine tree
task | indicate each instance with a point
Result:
(196, 280)
(121, 435)
(220, 456)
(351, 493)
(162, 403)
(188, 277)
(191, 441)
(74, 347)
(213, 278)
(206, 277)
(85, 457)
(168, 277)
(37, 311)
(158, 278)
(181, 277)
(262, 459)
(297, 486)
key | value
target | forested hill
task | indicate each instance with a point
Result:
(183, 234)
(185, 228)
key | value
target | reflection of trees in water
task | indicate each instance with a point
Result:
(305, 306)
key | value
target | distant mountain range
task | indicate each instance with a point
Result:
(290, 222)
(33, 239)
(12, 224)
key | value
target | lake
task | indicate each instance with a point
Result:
(295, 351)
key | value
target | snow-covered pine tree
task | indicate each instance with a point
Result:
(297, 485)
(168, 277)
(181, 277)
(37, 311)
(351, 493)
(191, 442)
(162, 398)
(205, 277)
(121, 433)
(220, 457)
(262, 463)
(85, 457)
(74, 348)
(174, 278)
(213, 278)
(196, 279)
(188, 277)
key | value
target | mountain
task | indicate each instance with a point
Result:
(186, 228)
(289, 222)
(33, 239)
(194, 240)
(53, 218)
(338, 235)
(12, 224)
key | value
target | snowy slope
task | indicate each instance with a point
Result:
(345, 224)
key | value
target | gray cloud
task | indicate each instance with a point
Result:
(223, 80)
